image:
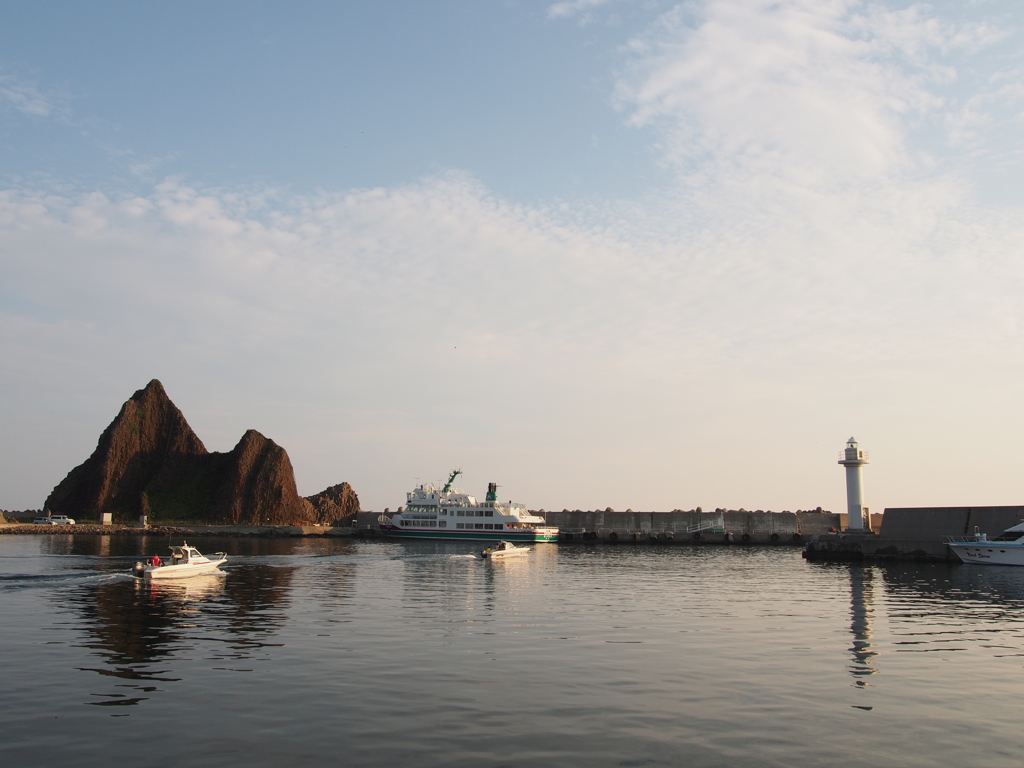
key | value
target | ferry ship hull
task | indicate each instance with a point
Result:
(430, 533)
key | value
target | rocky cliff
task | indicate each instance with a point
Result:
(149, 461)
(334, 505)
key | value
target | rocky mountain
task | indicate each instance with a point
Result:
(334, 504)
(149, 461)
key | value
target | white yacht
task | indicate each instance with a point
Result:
(450, 513)
(1005, 549)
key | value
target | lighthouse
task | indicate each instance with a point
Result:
(853, 458)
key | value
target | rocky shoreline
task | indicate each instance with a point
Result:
(189, 531)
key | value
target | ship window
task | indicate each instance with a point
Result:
(489, 513)
(479, 526)
(479, 513)
(460, 513)
(443, 524)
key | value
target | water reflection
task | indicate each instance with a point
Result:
(450, 579)
(255, 600)
(142, 631)
(955, 609)
(861, 613)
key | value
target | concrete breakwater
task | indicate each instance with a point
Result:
(915, 533)
(692, 527)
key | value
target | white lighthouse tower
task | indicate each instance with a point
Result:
(853, 458)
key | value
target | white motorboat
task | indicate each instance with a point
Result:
(185, 561)
(1005, 549)
(503, 549)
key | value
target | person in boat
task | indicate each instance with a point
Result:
(155, 562)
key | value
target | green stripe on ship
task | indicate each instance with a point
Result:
(473, 535)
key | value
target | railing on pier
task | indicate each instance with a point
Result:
(715, 526)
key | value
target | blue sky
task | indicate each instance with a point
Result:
(325, 95)
(628, 254)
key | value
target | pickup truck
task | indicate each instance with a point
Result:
(54, 520)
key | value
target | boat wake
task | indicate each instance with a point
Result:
(11, 582)
(431, 557)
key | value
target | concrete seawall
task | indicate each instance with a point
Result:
(915, 533)
(692, 527)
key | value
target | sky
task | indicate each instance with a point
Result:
(605, 253)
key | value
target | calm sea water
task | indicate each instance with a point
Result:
(312, 652)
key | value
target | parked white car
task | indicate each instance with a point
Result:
(54, 520)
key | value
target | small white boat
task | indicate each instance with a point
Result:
(185, 561)
(503, 549)
(1005, 549)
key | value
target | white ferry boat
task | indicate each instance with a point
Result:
(450, 513)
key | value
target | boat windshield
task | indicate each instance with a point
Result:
(1010, 535)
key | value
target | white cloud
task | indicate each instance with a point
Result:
(811, 92)
(26, 97)
(573, 7)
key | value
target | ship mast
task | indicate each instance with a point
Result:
(448, 485)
